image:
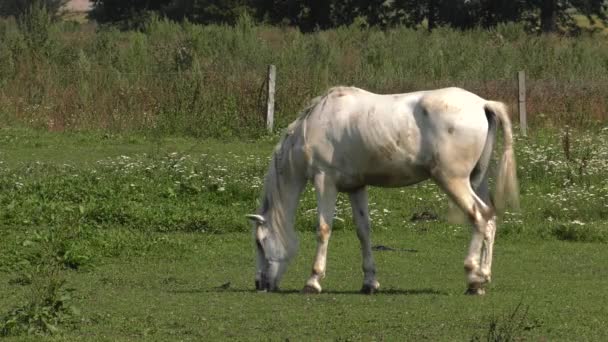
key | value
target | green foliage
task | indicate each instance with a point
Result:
(47, 308)
(61, 246)
(12, 46)
(19, 8)
(545, 15)
(135, 14)
(35, 24)
(39, 265)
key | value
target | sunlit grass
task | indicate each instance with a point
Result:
(151, 237)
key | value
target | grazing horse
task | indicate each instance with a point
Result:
(351, 138)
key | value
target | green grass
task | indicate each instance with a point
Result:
(164, 296)
(144, 231)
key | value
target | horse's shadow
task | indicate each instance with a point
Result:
(390, 291)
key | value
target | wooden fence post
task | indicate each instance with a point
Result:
(272, 74)
(523, 124)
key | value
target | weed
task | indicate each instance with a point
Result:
(46, 308)
(59, 246)
(511, 327)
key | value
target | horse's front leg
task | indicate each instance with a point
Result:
(326, 204)
(359, 205)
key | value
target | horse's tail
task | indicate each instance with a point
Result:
(507, 189)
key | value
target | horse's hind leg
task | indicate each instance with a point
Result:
(326, 204)
(459, 189)
(488, 249)
(359, 205)
(479, 181)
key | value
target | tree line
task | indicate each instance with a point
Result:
(310, 15)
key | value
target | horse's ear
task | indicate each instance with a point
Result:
(259, 219)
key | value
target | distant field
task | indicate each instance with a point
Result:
(208, 81)
(144, 237)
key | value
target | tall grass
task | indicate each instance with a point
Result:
(188, 79)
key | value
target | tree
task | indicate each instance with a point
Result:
(310, 15)
(134, 13)
(555, 13)
(461, 14)
(18, 8)
(126, 13)
(546, 15)
(219, 11)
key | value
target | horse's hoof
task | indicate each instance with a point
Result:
(309, 289)
(261, 286)
(475, 291)
(368, 290)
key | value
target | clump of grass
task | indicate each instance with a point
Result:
(47, 307)
(42, 259)
(578, 231)
(510, 327)
(57, 246)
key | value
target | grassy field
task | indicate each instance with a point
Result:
(116, 224)
(124, 237)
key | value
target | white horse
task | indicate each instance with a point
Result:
(351, 138)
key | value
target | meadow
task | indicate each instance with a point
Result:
(121, 237)
(129, 159)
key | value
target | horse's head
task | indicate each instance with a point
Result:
(271, 253)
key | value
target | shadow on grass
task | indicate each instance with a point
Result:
(394, 292)
(390, 292)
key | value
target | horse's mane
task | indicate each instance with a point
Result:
(282, 216)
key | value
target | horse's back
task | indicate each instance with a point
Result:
(393, 140)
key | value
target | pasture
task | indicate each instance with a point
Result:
(125, 237)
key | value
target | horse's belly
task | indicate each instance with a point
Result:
(395, 176)
(383, 176)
